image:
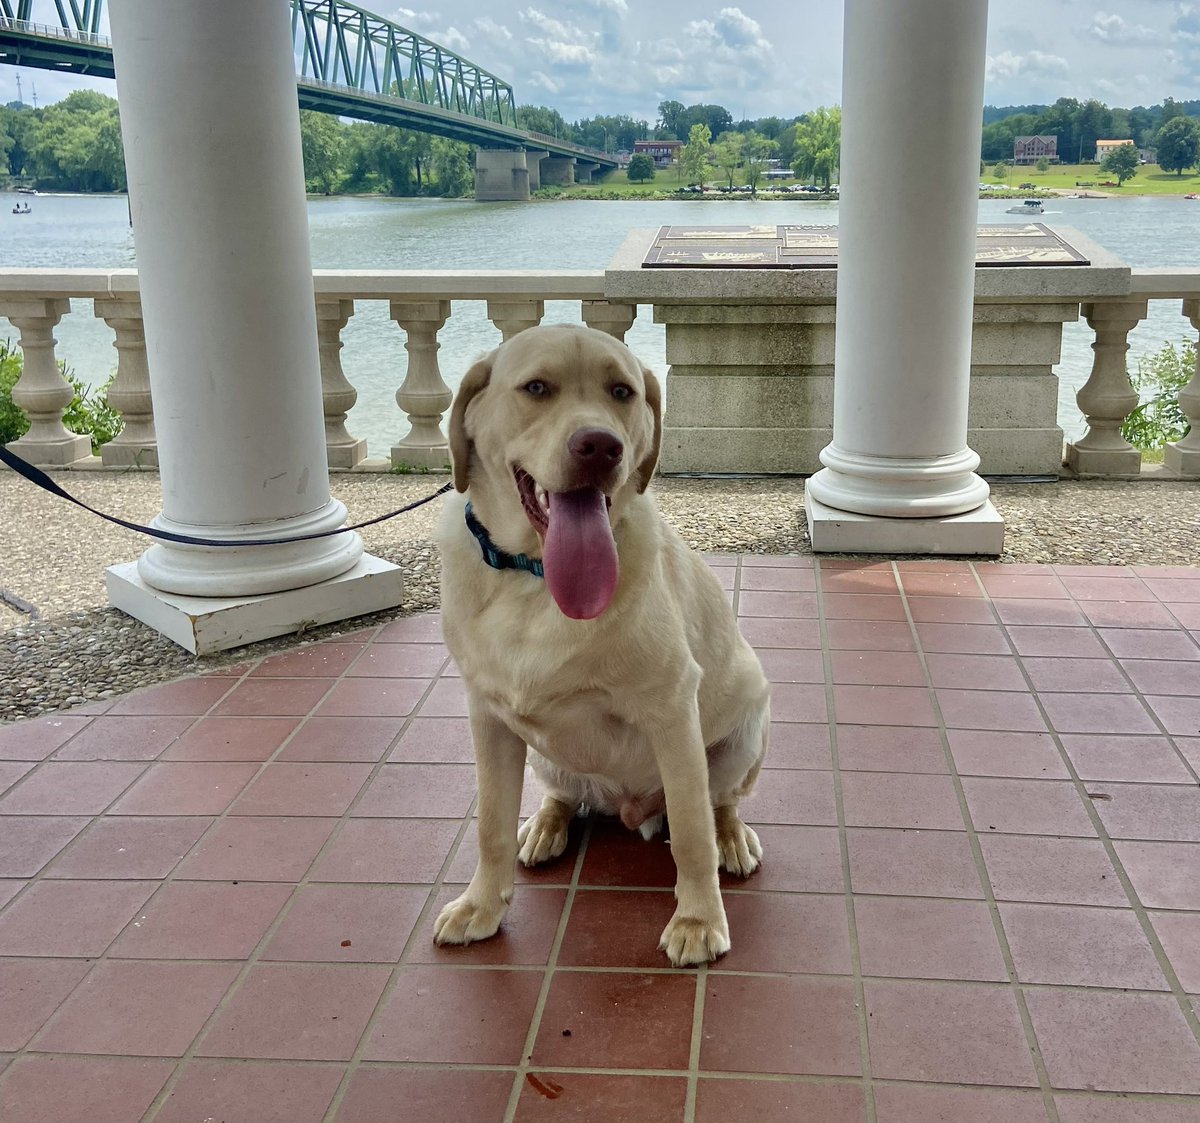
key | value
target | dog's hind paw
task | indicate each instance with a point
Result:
(687, 940)
(543, 836)
(737, 844)
(463, 921)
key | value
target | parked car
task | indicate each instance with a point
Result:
(1026, 186)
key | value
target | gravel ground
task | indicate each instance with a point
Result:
(74, 649)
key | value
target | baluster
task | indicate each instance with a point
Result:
(424, 396)
(41, 391)
(512, 316)
(604, 315)
(1183, 457)
(136, 444)
(338, 396)
(1108, 396)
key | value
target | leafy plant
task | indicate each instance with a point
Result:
(13, 422)
(89, 413)
(1158, 420)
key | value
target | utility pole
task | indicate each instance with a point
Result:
(20, 98)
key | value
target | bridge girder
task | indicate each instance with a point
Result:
(350, 62)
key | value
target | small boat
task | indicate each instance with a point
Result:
(26, 191)
(1029, 206)
(1192, 195)
(18, 209)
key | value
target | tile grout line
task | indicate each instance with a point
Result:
(96, 816)
(1140, 911)
(860, 999)
(251, 961)
(539, 1007)
(350, 1067)
(981, 871)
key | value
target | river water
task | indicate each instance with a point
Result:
(74, 231)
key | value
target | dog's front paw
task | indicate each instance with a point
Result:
(463, 921)
(738, 846)
(688, 940)
(543, 835)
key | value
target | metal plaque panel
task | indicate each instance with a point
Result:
(815, 247)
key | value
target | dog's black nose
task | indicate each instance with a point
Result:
(598, 450)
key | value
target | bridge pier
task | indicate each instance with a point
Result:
(559, 170)
(584, 170)
(501, 174)
(534, 158)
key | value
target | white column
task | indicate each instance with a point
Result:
(212, 149)
(898, 470)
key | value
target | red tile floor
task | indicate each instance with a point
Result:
(980, 901)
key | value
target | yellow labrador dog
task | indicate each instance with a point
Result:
(592, 641)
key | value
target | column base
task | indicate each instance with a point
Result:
(1184, 462)
(53, 454)
(348, 455)
(203, 625)
(436, 457)
(1103, 461)
(114, 455)
(976, 533)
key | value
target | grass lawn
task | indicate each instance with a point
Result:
(1150, 179)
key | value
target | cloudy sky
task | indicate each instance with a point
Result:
(762, 57)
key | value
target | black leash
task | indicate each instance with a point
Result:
(37, 476)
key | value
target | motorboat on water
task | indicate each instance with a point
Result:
(1029, 206)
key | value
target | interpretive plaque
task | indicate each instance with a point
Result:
(815, 247)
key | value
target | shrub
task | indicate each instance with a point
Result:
(89, 413)
(1158, 420)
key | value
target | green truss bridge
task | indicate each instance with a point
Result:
(350, 63)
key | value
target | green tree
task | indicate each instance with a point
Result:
(1000, 171)
(641, 167)
(322, 140)
(693, 160)
(728, 154)
(1043, 165)
(758, 150)
(818, 145)
(540, 119)
(450, 161)
(669, 114)
(76, 144)
(1122, 162)
(1178, 144)
(716, 117)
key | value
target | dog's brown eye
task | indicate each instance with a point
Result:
(622, 392)
(536, 389)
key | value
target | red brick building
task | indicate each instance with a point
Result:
(664, 152)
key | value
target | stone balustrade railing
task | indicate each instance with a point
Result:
(776, 354)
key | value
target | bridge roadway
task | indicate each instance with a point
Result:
(348, 62)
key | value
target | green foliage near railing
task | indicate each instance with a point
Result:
(13, 421)
(1158, 420)
(89, 413)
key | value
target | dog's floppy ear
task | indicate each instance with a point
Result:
(476, 379)
(654, 400)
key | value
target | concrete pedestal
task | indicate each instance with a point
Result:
(501, 175)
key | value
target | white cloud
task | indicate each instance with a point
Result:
(1033, 64)
(415, 21)
(1110, 28)
(454, 39)
(490, 29)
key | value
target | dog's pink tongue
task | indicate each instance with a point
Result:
(579, 556)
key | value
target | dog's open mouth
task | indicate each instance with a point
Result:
(579, 556)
